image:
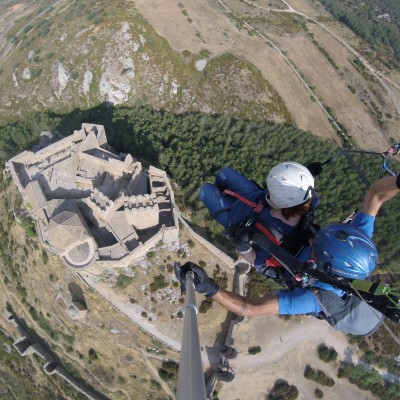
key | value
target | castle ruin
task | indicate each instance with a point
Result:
(94, 208)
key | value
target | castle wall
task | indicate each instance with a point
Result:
(26, 345)
(116, 193)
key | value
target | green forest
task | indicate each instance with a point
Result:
(368, 20)
(192, 147)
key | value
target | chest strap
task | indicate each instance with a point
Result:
(257, 208)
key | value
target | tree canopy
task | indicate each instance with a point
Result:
(192, 147)
(376, 21)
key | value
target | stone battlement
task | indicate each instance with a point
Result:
(118, 198)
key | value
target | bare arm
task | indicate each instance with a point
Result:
(267, 305)
(380, 191)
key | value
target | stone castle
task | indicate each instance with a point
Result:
(94, 208)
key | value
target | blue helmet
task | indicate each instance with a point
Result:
(345, 250)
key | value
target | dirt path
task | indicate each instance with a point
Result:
(306, 101)
(8, 50)
(364, 125)
(225, 37)
(280, 52)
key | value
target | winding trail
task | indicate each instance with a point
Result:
(292, 66)
(377, 75)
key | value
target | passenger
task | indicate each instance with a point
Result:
(340, 250)
(283, 211)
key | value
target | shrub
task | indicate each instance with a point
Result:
(158, 283)
(220, 278)
(74, 75)
(123, 281)
(92, 354)
(205, 305)
(283, 391)
(144, 314)
(36, 72)
(254, 350)
(202, 263)
(155, 385)
(318, 376)
(191, 243)
(27, 28)
(150, 255)
(168, 371)
(326, 353)
(319, 394)
(29, 225)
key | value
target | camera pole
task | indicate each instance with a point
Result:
(191, 384)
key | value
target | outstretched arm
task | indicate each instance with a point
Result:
(380, 191)
(267, 305)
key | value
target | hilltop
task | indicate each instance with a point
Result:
(277, 61)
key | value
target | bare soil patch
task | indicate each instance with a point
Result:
(225, 37)
(287, 346)
(332, 90)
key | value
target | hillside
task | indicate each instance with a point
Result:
(190, 86)
(264, 61)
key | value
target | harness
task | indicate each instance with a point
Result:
(347, 313)
(293, 242)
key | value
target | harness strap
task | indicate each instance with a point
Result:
(257, 207)
(272, 261)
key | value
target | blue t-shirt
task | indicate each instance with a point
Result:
(303, 301)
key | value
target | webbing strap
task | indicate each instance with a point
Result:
(268, 233)
(257, 207)
(272, 261)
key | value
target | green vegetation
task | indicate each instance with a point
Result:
(92, 354)
(254, 350)
(169, 373)
(205, 305)
(319, 394)
(220, 277)
(369, 379)
(378, 22)
(324, 52)
(282, 391)
(150, 255)
(36, 72)
(326, 353)
(318, 376)
(43, 323)
(259, 285)
(158, 283)
(29, 225)
(123, 281)
(278, 23)
(193, 147)
(380, 349)
(21, 377)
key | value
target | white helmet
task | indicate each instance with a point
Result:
(289, 184)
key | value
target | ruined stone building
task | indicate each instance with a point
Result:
(95, 208)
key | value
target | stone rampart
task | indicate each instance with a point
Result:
(217, 252)
(170, 345)
(26, 345)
